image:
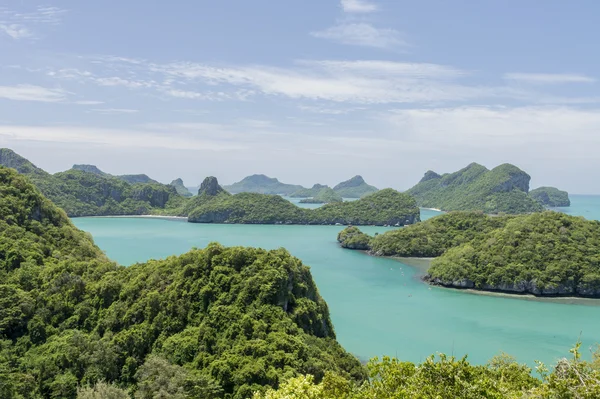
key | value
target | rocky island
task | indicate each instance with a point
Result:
(355, 187)
(550, 197)
(263, 185)
(215, 205)
(545, 253)
(503, 189)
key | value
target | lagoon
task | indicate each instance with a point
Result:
(378, 306)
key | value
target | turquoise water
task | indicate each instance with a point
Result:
(378, 306)
(587, 206)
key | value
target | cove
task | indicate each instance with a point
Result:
(378, 305)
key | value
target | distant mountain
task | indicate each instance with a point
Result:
(325, 195)
(82, 191)
(181, 188)
(263, 185)
(550, 196)
(356, 187)
(475, 188)
(90, 169)
(308, 192)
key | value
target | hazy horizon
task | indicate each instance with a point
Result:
(304, 91)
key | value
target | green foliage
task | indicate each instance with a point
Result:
(86, 191)
(102, 390)
(550, 196)
(474, 188)
(263, 185)
(355, 187)
(209, 323)
(386, 207)
(547, 253)
(324, 196)
(435, 236)
(181, 188)
(308, 192)
(352, 238)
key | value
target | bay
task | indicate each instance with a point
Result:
(378, 305)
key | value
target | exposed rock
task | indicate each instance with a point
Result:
(210, 186)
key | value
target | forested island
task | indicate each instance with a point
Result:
(212, 323)
(325, 195)
(355, 187)
(545, 254)
(213, 204)
(551, 197)
(85, 190)
(504, 189)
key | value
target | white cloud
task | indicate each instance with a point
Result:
(117, 81)
(16, 31)
(358, 6)
(22, 24)
(550, 130)
(31, 93)
(120, 138)
(362, 34)
(114, 111)
(88, 102)
(549, 78)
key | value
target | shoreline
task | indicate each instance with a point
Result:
(433, 209)
(423, 264)
(163, 217)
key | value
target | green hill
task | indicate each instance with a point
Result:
(262, 184)
(356, 187)
(83, 191)
(547, 253)
(550, 196)
(475, 188)
(180, 188)
(323, 196)
(386, 207)
(308, 192)
(210, 323)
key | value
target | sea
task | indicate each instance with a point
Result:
(379, 306)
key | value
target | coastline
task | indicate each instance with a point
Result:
(423, 264)
(433, 209)
(164, 217)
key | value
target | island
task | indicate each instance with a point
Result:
(325, 195)
(181, 188)
(551, 197)
(216, 322)
(87, 191)
(308, 192)
(355, 187)
(215, 205)
(263, 185)
(545, 253)
(503, 189)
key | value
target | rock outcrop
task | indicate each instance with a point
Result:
(210, 186)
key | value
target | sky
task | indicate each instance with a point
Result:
(308, 91)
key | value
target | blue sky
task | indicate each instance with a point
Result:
(304, 90)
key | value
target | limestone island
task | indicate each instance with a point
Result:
(543, 254)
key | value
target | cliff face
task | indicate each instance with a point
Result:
(210, 186)
(550, 196)
(155, 195)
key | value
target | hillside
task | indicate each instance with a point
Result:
(180, 188)
(83, 191)
(547, 253)
(210, 323)
(263, 185)
(323, 196)
(475, 188)
(308, 192)
(356, 187)
(386, 207)
(550, 196)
